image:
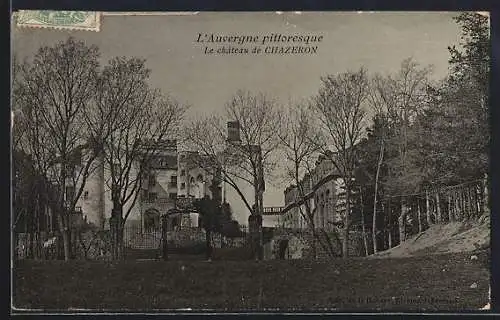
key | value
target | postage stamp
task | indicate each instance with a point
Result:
(255, 162)
(76, 20)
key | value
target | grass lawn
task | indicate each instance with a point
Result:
(430, 283)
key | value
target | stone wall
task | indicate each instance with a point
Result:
(300, 241)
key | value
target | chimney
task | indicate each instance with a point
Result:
(233, 131)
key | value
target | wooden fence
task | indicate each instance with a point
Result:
(408, 215)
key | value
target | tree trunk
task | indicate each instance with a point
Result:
(402, 221)
(121, 245)
(375, 196)
(365, 242)
(261, 235)
(456, 205)
(427, 209)
(312, 240)
(486, 196)
(462, 205)
(66, 244)
(164, 237)
(36, 233)
(475, 201)
(258, 227)
(469, 203)
(389, 224)
(65, 235)
(389, 235)
(438, 207)
(30, 245)
(345, 241)
(62, 210)
(451, 216)
(419, 214)
(117, 229)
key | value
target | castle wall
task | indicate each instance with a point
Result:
(96, 202)
(92, 199)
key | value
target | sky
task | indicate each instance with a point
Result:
(377, 41)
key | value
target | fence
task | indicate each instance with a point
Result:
(408, 215)
(137, 238)
(95, 244)
(84, 244)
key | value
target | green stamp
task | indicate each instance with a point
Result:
(76, 20)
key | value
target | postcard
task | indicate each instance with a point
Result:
(241, 162)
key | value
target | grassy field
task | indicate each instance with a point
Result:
(431, 283)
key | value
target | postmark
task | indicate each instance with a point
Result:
(74, 20)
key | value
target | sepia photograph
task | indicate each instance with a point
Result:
(243, 162)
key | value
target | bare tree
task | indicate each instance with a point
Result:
(252, 156)
(137, 119)
(52, 95)
(300, 155)
(207, 137)
(340, 110)
(377, 98)
(402, 96)
(259, 121)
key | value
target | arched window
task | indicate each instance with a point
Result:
(199, 178)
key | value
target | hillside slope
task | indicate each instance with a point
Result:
(453, 237)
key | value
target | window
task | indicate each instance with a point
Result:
(70, 193)
(152, 180)
(183, 186)
(183, 173)
(152, 196)
(85, 195)
(173, 181)
(172, 196)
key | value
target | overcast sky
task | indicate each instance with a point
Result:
(378, 41)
